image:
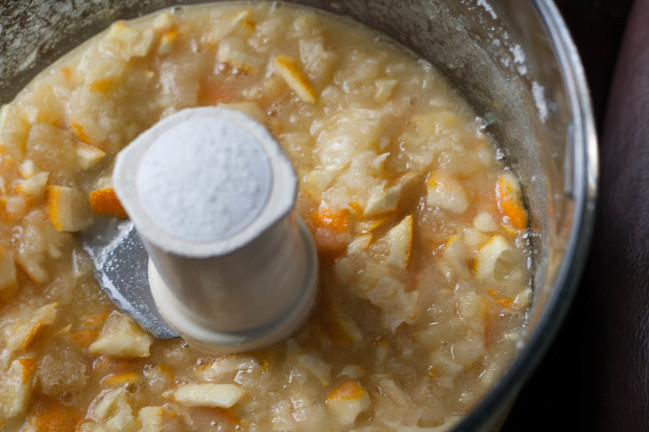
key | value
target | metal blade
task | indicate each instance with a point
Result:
(121, 263)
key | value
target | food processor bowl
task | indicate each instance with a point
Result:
(513, 60)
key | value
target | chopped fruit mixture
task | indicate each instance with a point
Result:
(420, 232)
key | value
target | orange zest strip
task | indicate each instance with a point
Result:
(105, 202)
(81, 134)
(349, 390)
(510, 204)
(332, 218)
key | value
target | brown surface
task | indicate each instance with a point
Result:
(596, 375)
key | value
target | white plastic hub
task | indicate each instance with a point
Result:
(211, 194)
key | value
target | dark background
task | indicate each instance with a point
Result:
(562, 394)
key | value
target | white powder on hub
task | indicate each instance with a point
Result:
(204, 180)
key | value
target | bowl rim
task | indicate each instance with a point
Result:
(487, 413)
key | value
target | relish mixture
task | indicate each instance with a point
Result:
(420, 231)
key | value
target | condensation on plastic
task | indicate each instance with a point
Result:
(512, 59)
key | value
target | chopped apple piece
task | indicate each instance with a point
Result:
(121, 337)
(227, 366)
(233, 53)
(384, 88)
(398, 306)
(156, 418)
(446, 192)
(7, 274)
(522, 299)
(485, 222)
(62, 370)
(400, 242)
(384, 200)
(317, 367)
(209, 395)
(435, 122)
(359, 244)
(67, 209)
(16, 385)
(27, 169)
(26, 331)
(113, 410)
(454, 257)
(105, 202)
(35, 186)
(474, 238)
(494, 258)
(132, 43)
(318, 180)
(289, 69)
(347, 401)
(163, 22)
(88, 155)
(167, 41)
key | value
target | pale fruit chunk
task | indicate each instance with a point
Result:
(129, 41)
(317, 60)
(39, 242)
(226, 26)
(347, 401)
(384, 88)
(232, 52)
(62, 370)
(447, 426)
(27, 169)
(289, 69)
(113, 411)
(7, 273)
(446, 192)
(26, 330)
(360, 243)
(339, 327)
(318, 180)
(398, 306)
(68, 209)
(88, 155)
(121, 337)
(386, 199)
(155, 418)
(35, 186)
(345, 135)
(494, 259)
(167, 41)
(317, 367)
(164, 22)
(438, 122)
(209, 395)
(522, 299)
(16, 386)
(485, 222)
(226, 367)
(87, 427)
(453, 259)
(400, 243)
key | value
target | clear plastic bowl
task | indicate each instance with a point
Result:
(515, 62)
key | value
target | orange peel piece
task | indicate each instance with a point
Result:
(509, 198)
(291, 72)
(105, 202)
